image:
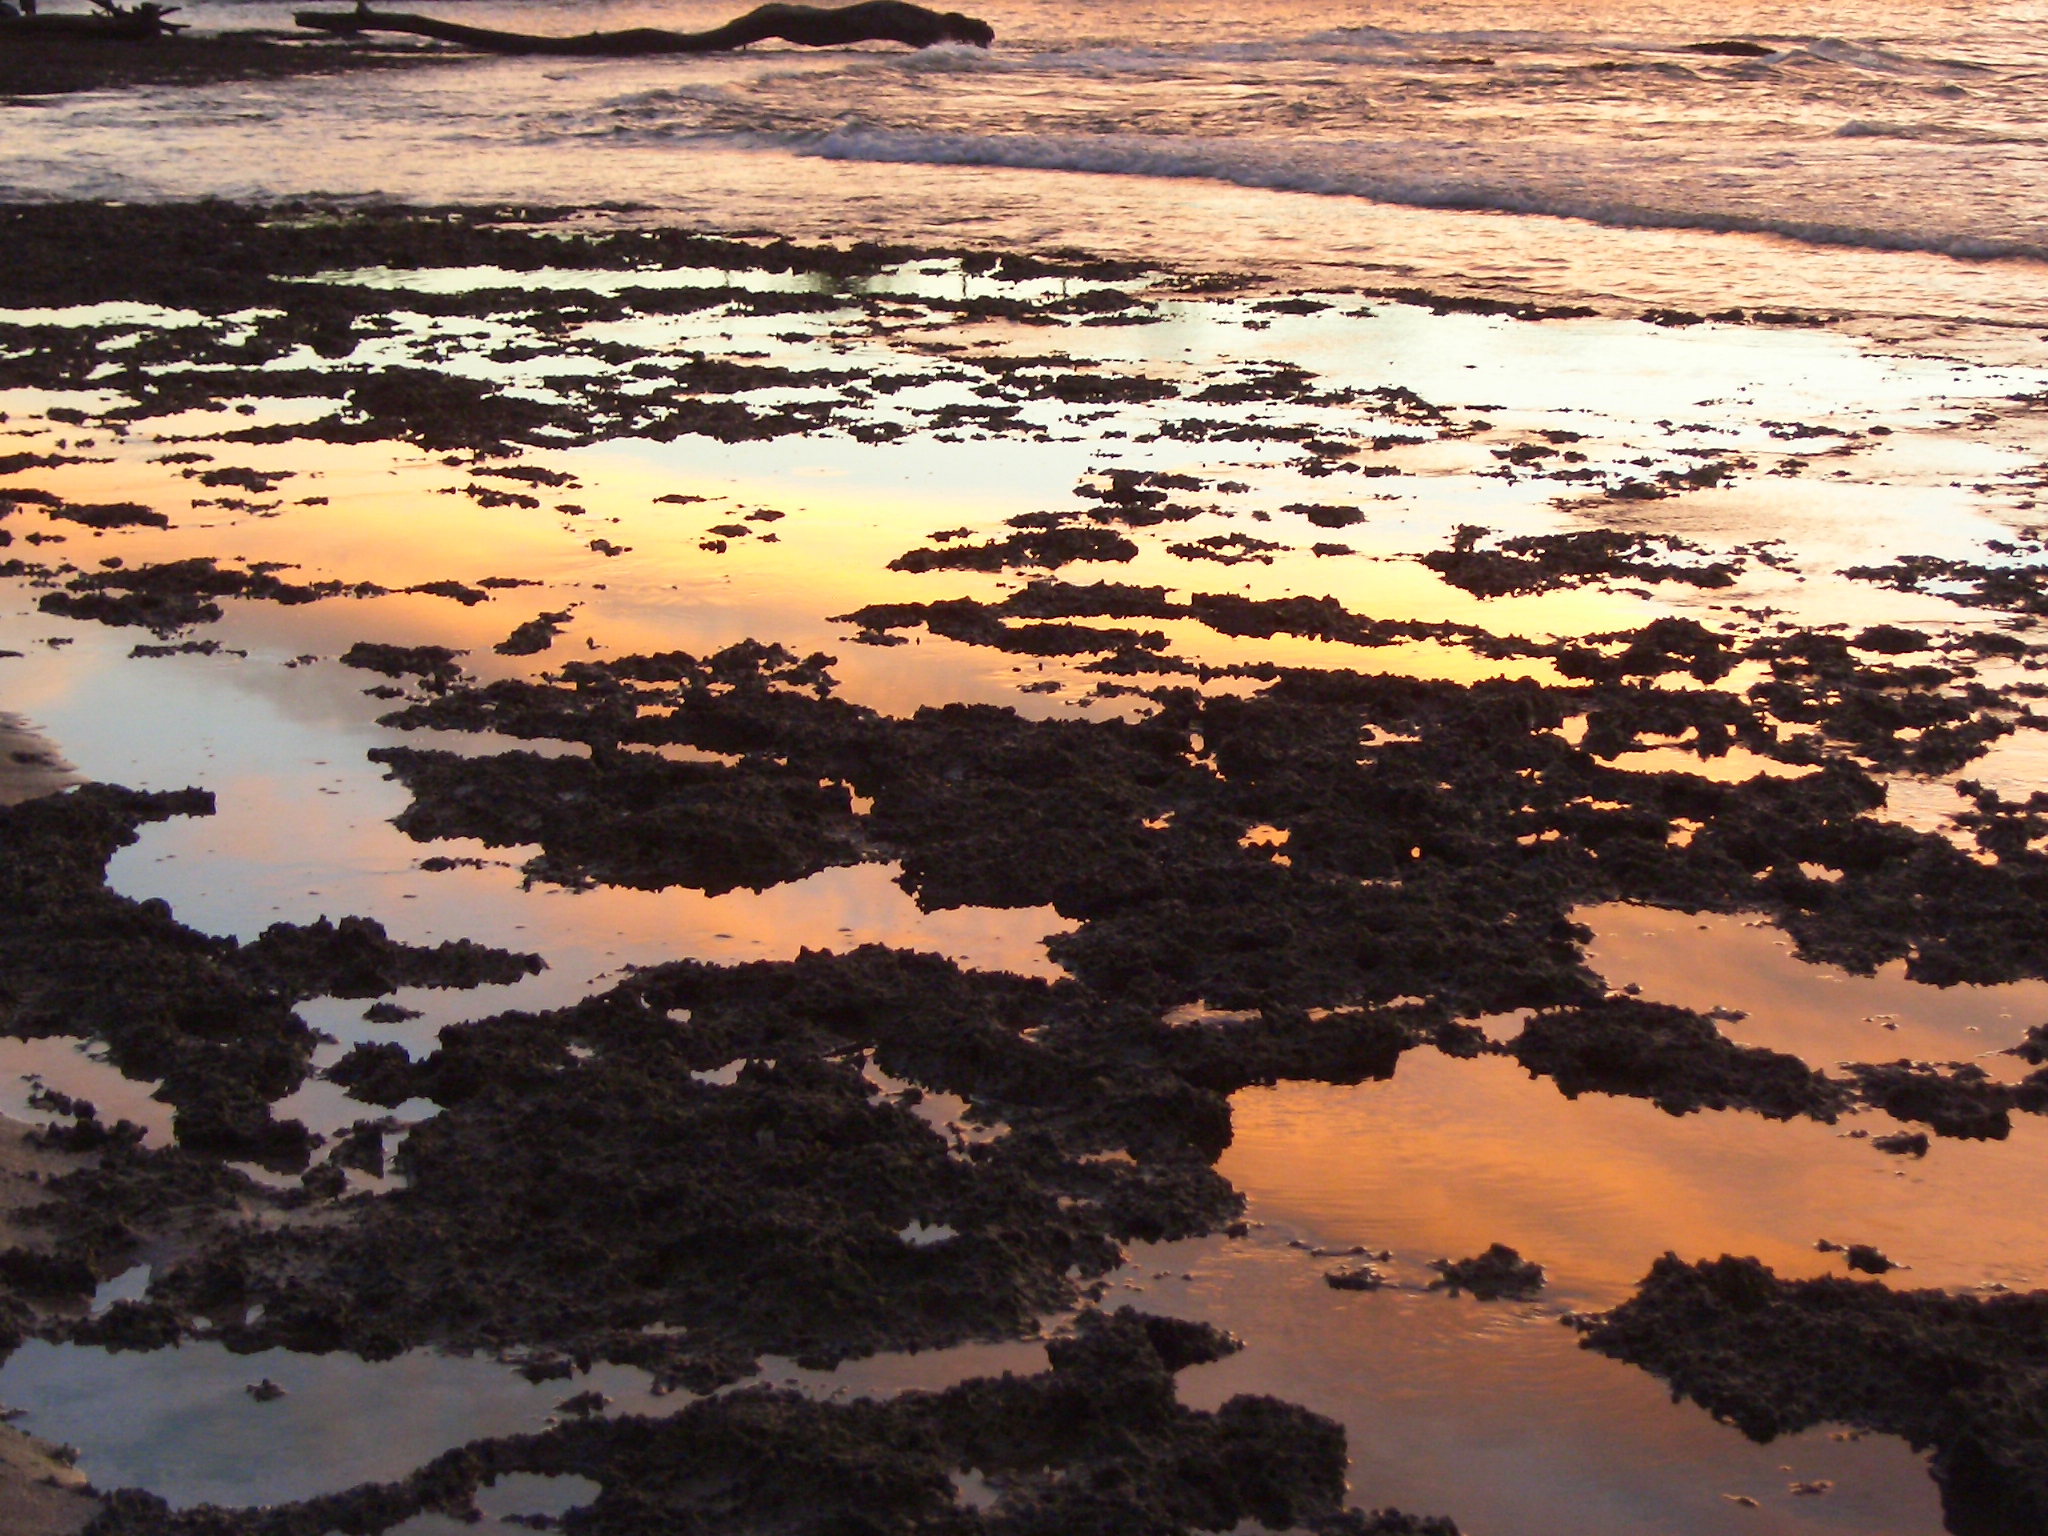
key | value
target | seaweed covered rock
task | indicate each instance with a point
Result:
(1964, 1101)
(1966, 1376)
(1498, 1274)
(1248, 854)
(212, 1019)
(433, 665)
(1674, 1057)
(180, 593)
(1540, 562)
(593, 1186)
(661, 823)
(356, 958)
(98, 1215)
(1044, 548)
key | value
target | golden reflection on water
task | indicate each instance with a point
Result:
(1820, 1013)
(1451, 1156)
(1492, 1413)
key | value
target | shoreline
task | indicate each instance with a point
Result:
(36, 69)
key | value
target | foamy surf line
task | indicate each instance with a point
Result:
(1211, 160)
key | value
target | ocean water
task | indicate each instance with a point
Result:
(1881, 161)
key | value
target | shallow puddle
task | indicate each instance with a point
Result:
(1497, 1399)
(184, 1423)
(1819, 1013)
(1497, 1402)
(1450, 1156)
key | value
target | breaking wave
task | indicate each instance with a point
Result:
(1348, 171)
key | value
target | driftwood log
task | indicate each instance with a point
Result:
(892, 21)
(108, 21)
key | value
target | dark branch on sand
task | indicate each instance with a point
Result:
(892, 21)
(107, 21)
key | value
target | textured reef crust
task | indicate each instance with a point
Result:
(1964, 1375)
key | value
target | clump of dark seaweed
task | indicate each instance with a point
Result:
(210, 1018)
(1540, 562)
(1674, 1057)
(1498, 1274)
(2014, 587)
(180, 593)
(433, 665)
(1047, 548)
(1964, 1375)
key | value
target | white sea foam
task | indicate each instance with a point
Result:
(1369, 171)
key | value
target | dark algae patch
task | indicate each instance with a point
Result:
(433, 665)
(1047, 548)
(1674, 1057)
(177, 594)
(583, 1194)
(665, 823)
(1499, 1274)
(1540, 562)
(1964, 1376)
(534, 636)
(278, 265)
(354, 958)
(123, 514)
(2013, 587)
(1418, 868)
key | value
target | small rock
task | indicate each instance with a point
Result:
(584, 1404)
(324, 1182)
(1497, 1274)
(1905, 1143)
(264, 1391)
(1357, 1277)
(1862, 1256)
(1812, 1490)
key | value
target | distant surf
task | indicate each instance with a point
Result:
(1347, 171)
